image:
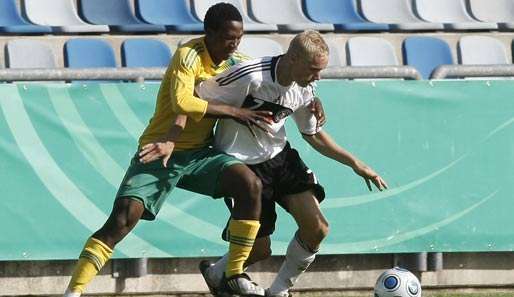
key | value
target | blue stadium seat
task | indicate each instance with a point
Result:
(11, 20)
(426, 53)
(144, 52)
(88, 53)
(175, 15)
(115, 13)
(342, 13)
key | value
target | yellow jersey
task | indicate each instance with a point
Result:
(190, 65)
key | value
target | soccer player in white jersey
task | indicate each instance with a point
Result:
(283, 85)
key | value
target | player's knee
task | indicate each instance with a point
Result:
(251, 186)
(124, 223)
(317, 234)
(323, 230)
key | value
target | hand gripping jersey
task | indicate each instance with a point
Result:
(253, 85)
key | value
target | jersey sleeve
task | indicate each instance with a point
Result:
(306, 121)
(182, 82)
(230, 87)
(303, 117)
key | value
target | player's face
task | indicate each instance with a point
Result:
(228, 38)
(306, 71)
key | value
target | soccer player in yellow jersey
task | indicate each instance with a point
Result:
(194, 165)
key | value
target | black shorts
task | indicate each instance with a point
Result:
(285, 174)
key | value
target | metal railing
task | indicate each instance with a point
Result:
(156, 73)
(356, 72)
(458, 71)
(61, 74)
(350, 72)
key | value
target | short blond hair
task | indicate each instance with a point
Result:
(308, 44)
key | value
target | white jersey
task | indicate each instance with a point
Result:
(253, 85)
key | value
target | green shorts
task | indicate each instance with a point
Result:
(193, 170)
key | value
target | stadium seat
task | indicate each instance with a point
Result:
(452, 13)
(61, 15)
(370, 51)
(342, 13)
(88, 53)
(11, 20)
(497, 11)
(399, 14)
(201, 6)
(256, 47)
(117, 14)
(475, 50)
(426, 53)
(27, 53)
(337, 57)
(145, 52)
(175, 15)
(287, 14)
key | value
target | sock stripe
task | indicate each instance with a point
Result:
(241, 241)
(240, 238)
(94, 259)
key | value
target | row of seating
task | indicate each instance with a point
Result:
(422, 52)
(87, 53)
(426, 53)
(62, 16)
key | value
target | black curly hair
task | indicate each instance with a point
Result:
(220, 13)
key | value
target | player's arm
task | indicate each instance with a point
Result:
(324, 144)
(184, 101)
(220, 110)
(164, 147)
(184, 66)
(226, 93)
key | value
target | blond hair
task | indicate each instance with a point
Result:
(308, 44)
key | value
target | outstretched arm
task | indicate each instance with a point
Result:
(323, 143)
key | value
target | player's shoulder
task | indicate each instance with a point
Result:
(189, 52)
(249, 70)
(255, 62)
(239, 57)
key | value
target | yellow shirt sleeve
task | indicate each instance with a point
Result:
(182, 83)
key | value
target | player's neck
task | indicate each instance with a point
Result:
(284, 76)
(215, 56)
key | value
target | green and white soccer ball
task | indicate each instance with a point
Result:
(397, 282)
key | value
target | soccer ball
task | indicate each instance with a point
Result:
(397, 282)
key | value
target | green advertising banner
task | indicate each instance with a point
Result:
(446, 148)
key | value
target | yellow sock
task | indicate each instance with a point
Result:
(91, 260)
(242, 234)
